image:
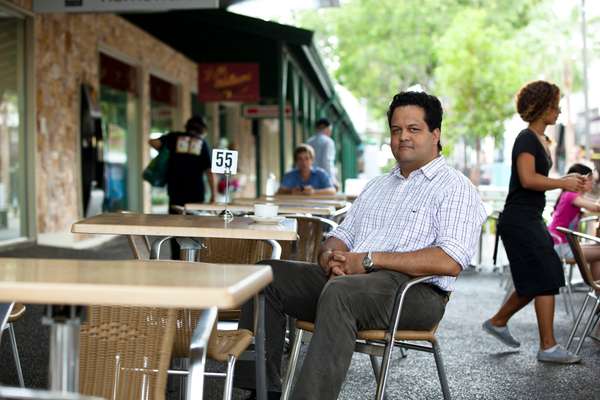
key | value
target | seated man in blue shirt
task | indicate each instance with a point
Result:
(306, 179)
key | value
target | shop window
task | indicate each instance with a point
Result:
(119, 107)
(12, 135)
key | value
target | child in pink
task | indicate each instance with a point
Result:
(567, 213)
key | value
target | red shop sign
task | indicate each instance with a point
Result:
(229, 82)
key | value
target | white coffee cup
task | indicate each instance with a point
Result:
(266, 210)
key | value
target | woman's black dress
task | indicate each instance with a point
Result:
(536, 268)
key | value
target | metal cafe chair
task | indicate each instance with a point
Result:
(224, 345)
(586, 273)
(379, 343)
(14, 312)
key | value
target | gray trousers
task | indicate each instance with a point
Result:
(340, 307)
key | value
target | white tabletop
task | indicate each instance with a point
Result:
(314, 209)
(185, 226)
(130, 282)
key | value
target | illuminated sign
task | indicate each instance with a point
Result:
(228, 82)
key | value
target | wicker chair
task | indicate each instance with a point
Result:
(224, 345)
(310, 237)
(594, 288)
(377, 343)
(125, 352)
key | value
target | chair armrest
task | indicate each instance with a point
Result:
(594, 239)
(5, 309)
(399, 302)
(156, 246)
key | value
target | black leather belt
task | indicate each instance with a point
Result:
(439, 290)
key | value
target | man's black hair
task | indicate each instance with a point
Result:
(322, 122)
(197, 123)
(431, 105)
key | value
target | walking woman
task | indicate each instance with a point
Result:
(536, 268)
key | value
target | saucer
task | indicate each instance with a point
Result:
(267, 220)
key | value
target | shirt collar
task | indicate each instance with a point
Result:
(430, 169)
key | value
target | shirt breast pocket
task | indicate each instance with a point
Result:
(416, 227)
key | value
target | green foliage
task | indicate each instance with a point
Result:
(479, 71)
(475, 54)
(382, 46)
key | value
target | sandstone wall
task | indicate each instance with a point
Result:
(67, 55)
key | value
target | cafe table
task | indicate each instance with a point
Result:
(192, 226)
(167, 284)
(294, 201)
(312, 209)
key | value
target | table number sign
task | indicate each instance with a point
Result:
(225, 162)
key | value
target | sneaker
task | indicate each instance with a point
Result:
(501, 333)
(558, 355)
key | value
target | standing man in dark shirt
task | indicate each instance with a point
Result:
(189, 160)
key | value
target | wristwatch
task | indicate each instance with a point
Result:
(368, 264)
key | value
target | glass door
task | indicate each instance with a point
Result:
(119, 107)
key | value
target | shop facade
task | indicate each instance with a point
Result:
(81, 94)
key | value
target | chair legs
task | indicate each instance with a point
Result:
(15, 350)
(591, 320)
(228, 390)
(380, 369)
(376, 365)
(440, 369)
(289, 374)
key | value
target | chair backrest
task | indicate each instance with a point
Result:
(235, 251)
(225, 251)
(125, 352)
(584, 267)
(310, 237)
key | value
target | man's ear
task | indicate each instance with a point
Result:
(436, 134)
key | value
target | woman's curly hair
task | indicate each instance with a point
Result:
(535, 98)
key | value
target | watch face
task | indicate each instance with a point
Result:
(367, 262)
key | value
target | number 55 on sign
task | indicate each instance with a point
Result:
(223, 160)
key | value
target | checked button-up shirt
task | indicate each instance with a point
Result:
(435, 206)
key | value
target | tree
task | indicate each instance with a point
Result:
(479, 71)
(378, 47)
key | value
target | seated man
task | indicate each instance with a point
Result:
(423, 218)
(306, 179)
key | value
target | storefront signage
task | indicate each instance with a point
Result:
(228, 82)
(47, 6)
(264, 111)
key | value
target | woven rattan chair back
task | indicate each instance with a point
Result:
(310, 237)
(125, 352)
(223, 251)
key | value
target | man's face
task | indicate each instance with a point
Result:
(304, 161)
(326, 129)
(413, 144)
